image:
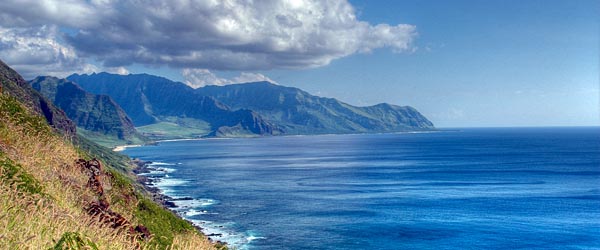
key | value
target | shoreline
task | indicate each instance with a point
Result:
(123, 147)
(148, 183)
(120, 148)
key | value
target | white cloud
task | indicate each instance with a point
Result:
(251, 77)
(117, 70)
(216, 35)
(197, 78)
(35, 51)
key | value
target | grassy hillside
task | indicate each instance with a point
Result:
(97, 117)
(45, 197)
(175, 128)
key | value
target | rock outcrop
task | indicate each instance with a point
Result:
(100, 208)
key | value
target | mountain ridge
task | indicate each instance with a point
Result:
(149, 99)
(258, 108)
(98, 114)
(298, 111)
(13, 84)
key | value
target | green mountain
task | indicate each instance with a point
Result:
(11, 83)
(96, 116)
(298, 112)
(234, 110)
(166, 109)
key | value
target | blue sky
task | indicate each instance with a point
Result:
(478, 63)
(461, 63)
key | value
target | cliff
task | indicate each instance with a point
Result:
(98, 114)
(54, 195)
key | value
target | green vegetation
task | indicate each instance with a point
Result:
(89, 149)
(13, 174)
(44, 195)
(111, 141)
(14, 112)
(164, 224)
(73, 240)
(175, 129)
(149, 100)
(97, 117)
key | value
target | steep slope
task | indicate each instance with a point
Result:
(150, 99)
(51, 198)
(301, 113)
(262, 107)
(95, 113)
(13, 84)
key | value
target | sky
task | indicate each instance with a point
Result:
(476, 63)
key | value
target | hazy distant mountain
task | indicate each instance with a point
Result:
(298, 112)
(95, 113)
(151, 99)
(242, 109)
(13, 84)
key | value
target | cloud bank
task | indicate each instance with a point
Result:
(197, 78)
(194, 34)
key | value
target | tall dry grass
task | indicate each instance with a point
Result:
(39, 220)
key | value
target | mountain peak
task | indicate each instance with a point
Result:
(247, 108)
(95, 113)
(13, 84)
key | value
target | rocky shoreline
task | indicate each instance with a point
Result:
(144, 167)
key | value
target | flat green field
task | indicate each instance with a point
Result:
(175, 128)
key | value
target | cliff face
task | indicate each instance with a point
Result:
(13, 84)
(97, 113)
(150, 99)
(299, 112)
(259, 108)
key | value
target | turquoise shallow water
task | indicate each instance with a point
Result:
(506, 188)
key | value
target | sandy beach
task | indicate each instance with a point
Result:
(123, 147)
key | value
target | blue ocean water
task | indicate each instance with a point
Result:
(504, 188)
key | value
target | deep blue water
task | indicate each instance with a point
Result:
(505, 188)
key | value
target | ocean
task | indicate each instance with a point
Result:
(486, 188)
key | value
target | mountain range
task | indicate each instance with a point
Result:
(298, 112)
(14, 85)
(94, 115)
(155, 103)
(162, 108)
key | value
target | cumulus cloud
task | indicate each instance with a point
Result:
(117, 70)
(197, 78)
(34, 51)
(205, 34)
(251, 77)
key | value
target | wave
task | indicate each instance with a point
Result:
(168, 182)
(158, 163)
(192, 209)
(193, 212)
(223, 232)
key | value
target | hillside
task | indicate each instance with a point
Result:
(96, 116)
(13, 84)
(53, 195)
(244, 109)
(299, 112)
(158, 106)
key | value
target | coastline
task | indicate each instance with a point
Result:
(123, 147)
(142, 170)
(156, 180)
